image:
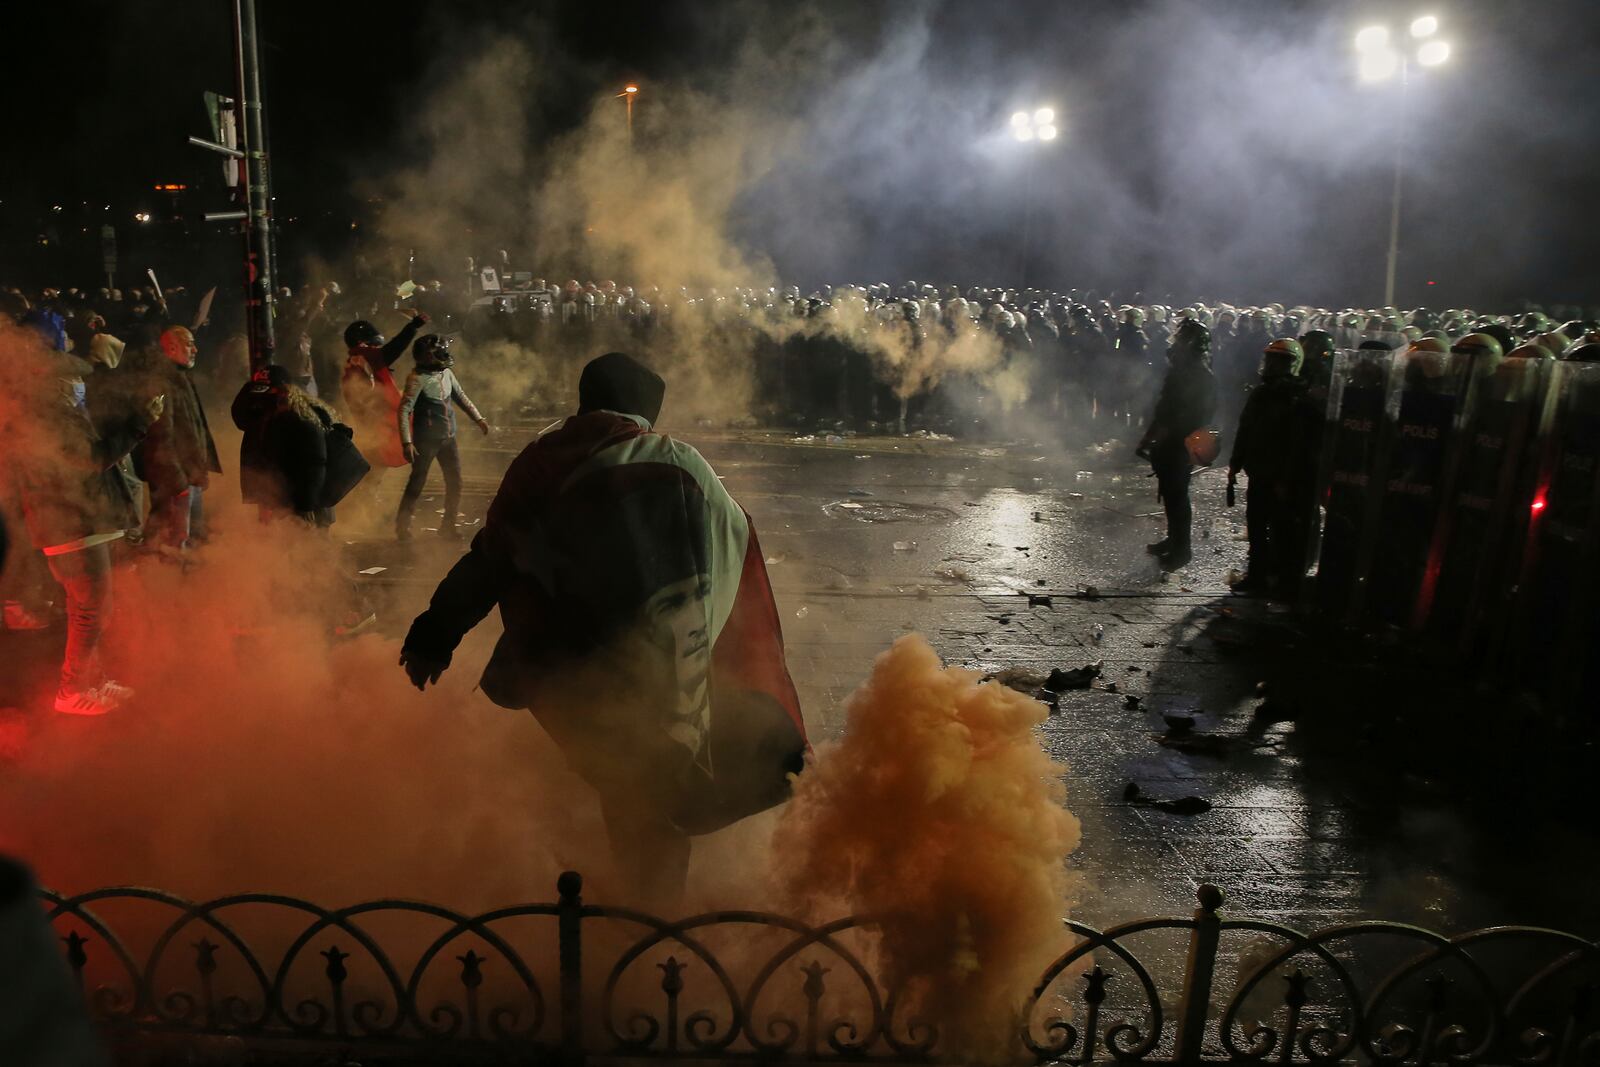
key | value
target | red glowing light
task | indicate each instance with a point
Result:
(1538, 504)
(1432, 283)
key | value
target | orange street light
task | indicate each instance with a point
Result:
(629, 91)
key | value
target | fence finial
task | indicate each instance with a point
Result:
(570, 885)
(1210, 897)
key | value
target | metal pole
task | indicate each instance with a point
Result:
(1399, 173)
(257, 182)
(1027, 216)
(629, 100)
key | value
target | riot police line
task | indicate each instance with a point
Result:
(1459, 501)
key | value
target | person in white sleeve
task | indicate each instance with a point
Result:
(428, 431)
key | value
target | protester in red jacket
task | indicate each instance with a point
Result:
(640, 627)
(370, 394)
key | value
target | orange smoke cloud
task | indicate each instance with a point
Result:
(939, 813)
(261, 754)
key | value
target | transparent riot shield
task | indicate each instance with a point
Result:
(1429, 389)
(1467, 582)
(1351, 466)
(1551, 625)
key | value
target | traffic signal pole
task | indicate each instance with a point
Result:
(259, 277)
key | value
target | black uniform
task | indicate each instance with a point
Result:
(1187, 402)
(1275, 447)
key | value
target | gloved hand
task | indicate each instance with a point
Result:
(422, 668)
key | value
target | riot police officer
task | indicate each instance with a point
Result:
(1273, 447)
(1187, 402)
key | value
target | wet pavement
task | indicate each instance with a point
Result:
(1339, 779)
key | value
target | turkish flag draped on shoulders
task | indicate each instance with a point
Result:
(640, 626)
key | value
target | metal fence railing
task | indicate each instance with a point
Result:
(567, 982)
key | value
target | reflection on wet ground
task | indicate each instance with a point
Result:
(1315, 808)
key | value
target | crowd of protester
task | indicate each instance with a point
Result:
(111, 450)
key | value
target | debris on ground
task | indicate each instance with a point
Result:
(1038, 600)
(1018, 678)
(372, 570)
(953, 574)
(905, 546)
(1178, 724)
(1190, 805)
(1003, 620)
(1077, 678)
(1132, 702)
(1088, 592)
(1111, 687)
(1148, 644)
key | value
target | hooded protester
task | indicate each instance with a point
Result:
(1187, 402)
(427, 424)
(177, 457)
(296, 457)
(640, 627)
(370, 393)
(60, 473)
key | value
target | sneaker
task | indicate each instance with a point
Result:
(81, 702)
(1158, 548)
(450, 533)
(113, 694)
(402, 534)
(18, 617)
(1175, 559)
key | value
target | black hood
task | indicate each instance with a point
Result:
(618, 382)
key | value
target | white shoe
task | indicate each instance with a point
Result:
(113, 694)
(87, 702)
(18, 617)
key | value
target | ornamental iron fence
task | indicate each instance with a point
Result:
(568, 982)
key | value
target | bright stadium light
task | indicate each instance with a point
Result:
(1372, 38)
(1433, 53)
(1379, 60)
(1036, 125)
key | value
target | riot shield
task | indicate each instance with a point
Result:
(1467, 581)
(1421, 435)
(1351, 467)
(1551, 625)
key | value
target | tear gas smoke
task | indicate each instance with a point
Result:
(666, 208)
(939, 813)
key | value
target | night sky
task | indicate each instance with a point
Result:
(1217, 149)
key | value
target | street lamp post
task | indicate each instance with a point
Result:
(629, 91)
(1030, 128)
(1380, 61)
